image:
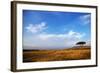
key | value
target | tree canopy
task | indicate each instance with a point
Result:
(81, 43)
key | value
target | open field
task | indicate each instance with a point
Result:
(75, 53)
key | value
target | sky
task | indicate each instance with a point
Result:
(55, 29)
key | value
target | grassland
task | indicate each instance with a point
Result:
(75, 53)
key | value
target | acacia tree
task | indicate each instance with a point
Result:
(81, 43)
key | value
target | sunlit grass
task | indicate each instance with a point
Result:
(57, 55)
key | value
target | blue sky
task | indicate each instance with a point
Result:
(52, 29)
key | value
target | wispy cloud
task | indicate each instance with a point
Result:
(71, 34)
(36, 27)
(85, 19)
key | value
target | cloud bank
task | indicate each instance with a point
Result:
(53, 41)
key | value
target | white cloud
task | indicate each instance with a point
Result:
(55, 40)
(36, 27)
(86, 16)
(85, 19)
(75, 34)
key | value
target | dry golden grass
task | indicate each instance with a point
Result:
(57, 55)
